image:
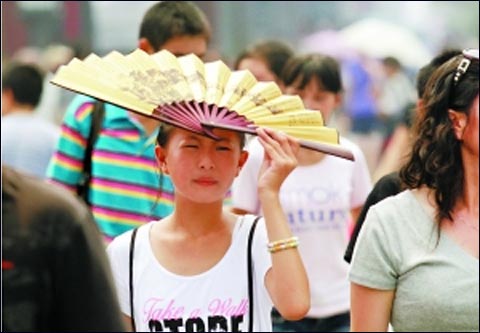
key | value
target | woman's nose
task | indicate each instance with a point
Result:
(206, 160)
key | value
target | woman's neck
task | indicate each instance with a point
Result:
(149, 124)
(198, 219)
(470, 184)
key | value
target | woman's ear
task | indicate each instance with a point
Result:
(241, 161)
(459, 122)
(161, 159)
(144, 44)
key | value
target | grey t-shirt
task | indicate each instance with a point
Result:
(436, 281)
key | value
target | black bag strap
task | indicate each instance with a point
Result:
(130, 277)
(250, 274)
(98, 113)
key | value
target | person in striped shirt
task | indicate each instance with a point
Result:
(126, 188)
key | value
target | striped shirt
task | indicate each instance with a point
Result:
(126, 189)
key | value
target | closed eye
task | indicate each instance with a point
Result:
(223, 148)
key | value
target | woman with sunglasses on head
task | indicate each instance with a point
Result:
(415, 264)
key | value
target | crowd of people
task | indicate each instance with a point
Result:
(308, 242)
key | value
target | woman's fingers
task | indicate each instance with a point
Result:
(279, 146)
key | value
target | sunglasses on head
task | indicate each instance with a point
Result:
(469, 55)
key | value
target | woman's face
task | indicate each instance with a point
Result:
(201, 169)
(470, 133)
(258, 68)
(315, 97)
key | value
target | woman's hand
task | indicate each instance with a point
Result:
(279, 160)
(286, 281)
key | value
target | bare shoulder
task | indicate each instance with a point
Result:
(231, 217)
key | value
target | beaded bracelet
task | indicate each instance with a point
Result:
(283, 244)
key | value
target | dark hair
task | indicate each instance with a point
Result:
(25, 81)
(392, 62)
(274, 53)
(423, 75)
(435, 160)
(168, 19)
(300, 70)
(426, 71)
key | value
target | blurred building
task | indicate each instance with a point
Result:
(103, 25)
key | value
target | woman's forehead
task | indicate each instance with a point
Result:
(313, 85)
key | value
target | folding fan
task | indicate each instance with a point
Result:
(197, 96)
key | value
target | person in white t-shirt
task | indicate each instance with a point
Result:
(320, 197)
(28, 141)
(190, 269)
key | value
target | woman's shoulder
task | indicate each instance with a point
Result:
(402, 202)
(245, 222)
(403, 211)
(410, 201)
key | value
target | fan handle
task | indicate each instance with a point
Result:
(326, 148)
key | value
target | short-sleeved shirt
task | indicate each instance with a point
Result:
(317, 200)
(386, 186)
(127, 189)
(28, 142)
(436, 281)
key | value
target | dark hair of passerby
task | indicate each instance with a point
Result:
(168, 19)
(273, 53)
(24, 81)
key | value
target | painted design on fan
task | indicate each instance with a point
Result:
(196, 77)
(240, 92)
(212, 91)
(171, 75)
(258, 99)
(274, 110)
(154, 85)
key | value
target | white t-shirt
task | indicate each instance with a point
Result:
(28, 142)
(317, 200)
(213, 301)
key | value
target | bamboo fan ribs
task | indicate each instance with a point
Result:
(197, 96)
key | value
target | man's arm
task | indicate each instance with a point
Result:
(67, 163)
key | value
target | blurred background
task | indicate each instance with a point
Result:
(101, 26)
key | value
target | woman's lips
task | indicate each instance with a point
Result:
(205, 181)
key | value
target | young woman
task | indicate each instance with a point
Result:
(415, 263)
(190, 269)
(319, 197)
